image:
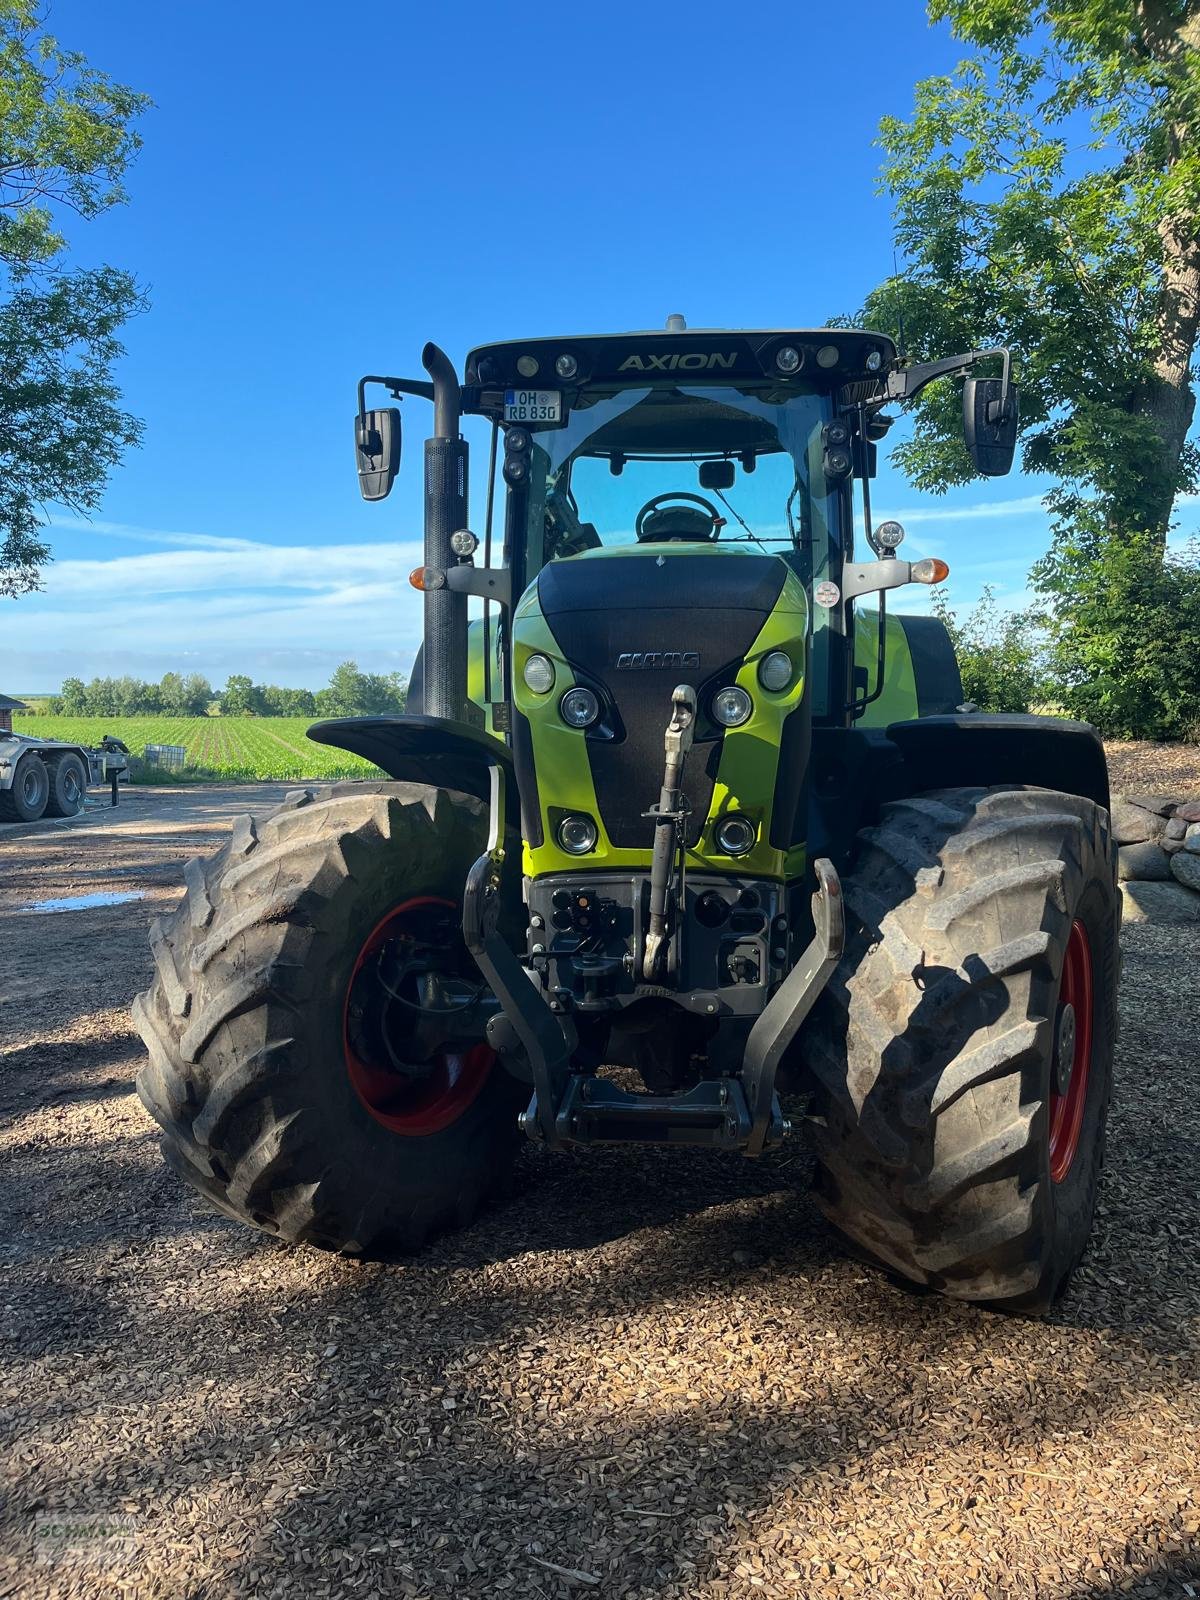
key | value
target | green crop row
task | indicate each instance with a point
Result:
(230, 748)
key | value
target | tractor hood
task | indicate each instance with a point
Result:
(631, 624)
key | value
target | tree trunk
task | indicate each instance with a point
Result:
(1171, 406)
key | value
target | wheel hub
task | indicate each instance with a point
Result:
(1064, 1049)
(409, 1024)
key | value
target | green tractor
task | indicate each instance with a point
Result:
(674, 823)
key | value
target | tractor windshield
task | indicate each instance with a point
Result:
(594, 480)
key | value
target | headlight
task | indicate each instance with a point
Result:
(539, 674)
(577, 835)
(579, 708)
(731, 706)
(735, 835)
(775, 671)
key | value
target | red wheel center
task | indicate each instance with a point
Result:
(1072, 1053)
(434, 1097)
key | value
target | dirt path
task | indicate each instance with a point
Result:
(652, 1369)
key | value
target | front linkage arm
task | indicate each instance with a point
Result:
(542, 1037)
(790, 1005)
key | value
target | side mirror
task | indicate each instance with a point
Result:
(717, 474)
(377, 448)
(990, 424)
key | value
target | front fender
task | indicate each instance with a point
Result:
(434, 750)
(1002, 747)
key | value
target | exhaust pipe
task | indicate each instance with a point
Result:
(446, 486)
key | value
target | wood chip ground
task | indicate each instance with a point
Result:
(652, 1375)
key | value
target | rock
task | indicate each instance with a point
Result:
(1165, 903)
(1143, 863)
(1189, 812)
(1177, 828)
(1160, 804)
(1191, 839)
(1186, 868)
(1134, 824)
(1170, 845)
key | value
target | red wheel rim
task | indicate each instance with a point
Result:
(456, 1077)
(1068, 1100)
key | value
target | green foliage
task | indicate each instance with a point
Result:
(1126, 645)
(1012, 234)
(240, 698)
(66, 138)
(1000, 653)
(352, 693)
(1047, 197)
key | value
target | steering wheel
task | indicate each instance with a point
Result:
(677, 521)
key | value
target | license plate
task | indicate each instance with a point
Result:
(533, 405)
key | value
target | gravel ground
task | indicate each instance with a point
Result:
(652, 1374)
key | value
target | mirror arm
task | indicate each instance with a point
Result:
(908, 382)
(398, 387)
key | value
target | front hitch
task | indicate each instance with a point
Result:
(670, 818)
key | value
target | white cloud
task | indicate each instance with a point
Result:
(242, 567)
(1023, 507)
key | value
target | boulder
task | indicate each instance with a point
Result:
(1177, 828)
(1161, 805)
(1164, 903)
(1190, 812)
(1134, 824)
(1191, 839)
(1186, 868)
(1143, 863)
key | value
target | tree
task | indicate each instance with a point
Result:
(1047, 197)
(352, 693)
(197, 694)
(278, 702)
(240, 697)
(66, 139)
(172, 695)
(74, 697)
(999, 653)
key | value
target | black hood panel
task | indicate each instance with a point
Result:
(637, 629)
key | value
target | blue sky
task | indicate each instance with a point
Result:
(322, 190)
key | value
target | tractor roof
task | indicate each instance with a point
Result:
(829, 357)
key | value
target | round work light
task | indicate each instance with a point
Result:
(577, 835)
(539, 674)
(735, 835)
(732, 706)
(775, 671)
(579, 708)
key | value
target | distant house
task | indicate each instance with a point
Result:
(7, 706)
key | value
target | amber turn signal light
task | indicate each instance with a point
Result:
(427, 578)
(930, 570)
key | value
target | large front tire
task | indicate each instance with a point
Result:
(962, 1055)
(256, 1082)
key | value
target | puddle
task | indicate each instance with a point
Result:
(85, 902)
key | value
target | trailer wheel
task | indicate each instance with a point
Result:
(26, 800)
(68, 785)
(278, 1018)
(962, 1054)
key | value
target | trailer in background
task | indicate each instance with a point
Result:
(51, 777)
